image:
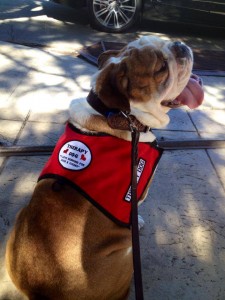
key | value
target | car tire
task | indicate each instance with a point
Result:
(114, 15)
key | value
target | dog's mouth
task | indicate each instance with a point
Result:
(192, 95)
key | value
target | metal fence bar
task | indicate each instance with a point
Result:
(26, 150)
(166, 145)
(192, 144)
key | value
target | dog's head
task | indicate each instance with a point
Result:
(148, 77)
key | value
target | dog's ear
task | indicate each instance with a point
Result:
(106, 55)
(111, 86)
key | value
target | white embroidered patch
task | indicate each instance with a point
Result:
(140, 169)
(75, 155)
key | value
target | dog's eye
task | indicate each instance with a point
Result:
(162, 68)
(142, 87)
(162, 73)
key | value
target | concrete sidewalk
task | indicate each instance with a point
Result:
(183, 241)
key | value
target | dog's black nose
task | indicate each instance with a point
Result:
(180, 49)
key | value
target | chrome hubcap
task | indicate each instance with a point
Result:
(114, 13)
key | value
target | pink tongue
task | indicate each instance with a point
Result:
(193, 94)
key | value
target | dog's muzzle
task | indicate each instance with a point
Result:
(181, 50)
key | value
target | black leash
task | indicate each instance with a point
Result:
(116, 120)
(135, 134)
(134, 217)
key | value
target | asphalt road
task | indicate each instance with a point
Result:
(45, 23)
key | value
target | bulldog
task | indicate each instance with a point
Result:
(65, 245)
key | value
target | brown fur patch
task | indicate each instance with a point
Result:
(139, 73)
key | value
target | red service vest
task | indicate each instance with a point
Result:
(99, 167)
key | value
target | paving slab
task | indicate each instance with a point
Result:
(40, 134)
(214, 87)
(9, 131)
(45, 97)
(209, 121)
(180, 120)
(1, 161)
(47, 89)
(44, 61)
(212, 135)
(217, 157)
(10, 77)
(17, 182)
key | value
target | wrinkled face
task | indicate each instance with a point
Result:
(146, 71)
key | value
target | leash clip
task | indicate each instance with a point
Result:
(132, 125)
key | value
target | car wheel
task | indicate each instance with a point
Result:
(114, 15)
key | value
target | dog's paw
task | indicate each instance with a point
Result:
(141, 222)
